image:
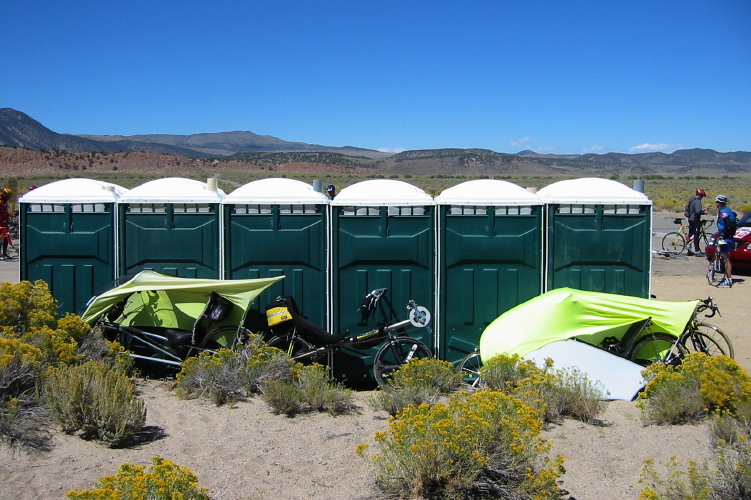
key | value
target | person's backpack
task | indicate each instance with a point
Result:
(731, 225)
(686, 211)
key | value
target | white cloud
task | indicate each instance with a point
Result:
(391, 150)
(523, 141)
(651, 148)
(592, 149)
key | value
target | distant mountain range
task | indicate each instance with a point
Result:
(18, 130)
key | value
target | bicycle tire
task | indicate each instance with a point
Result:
(654, 347)
(708, 339)
(703, 242)
(225, 337)
(470, 367)
(394, 354)
(674, 242)
(292, 347)
(716, 272)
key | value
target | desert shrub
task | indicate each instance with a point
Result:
(699, 386)
(422, 381)
(308, 389)
(556, 393)
(23, 421)
(229, 375)
(96, 400)
(25, 305)
(693, 483)
(481, 445)
(164, 480)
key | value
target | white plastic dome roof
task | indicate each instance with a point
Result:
(75, 191)
(382, 192)
(487, 192)
(278, 191)
(173, 189)
(592, 190)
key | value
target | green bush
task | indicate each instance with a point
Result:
(699, 386)
(422, 381)
(556, 393)
(308, 389)
(164, 481)
(229, 375)
(481, 445)
(96, 400)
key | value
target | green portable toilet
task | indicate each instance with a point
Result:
(598, 237)
(68, 239)
(171, 226)
(489, 258)
(275, 227)
(382, 237)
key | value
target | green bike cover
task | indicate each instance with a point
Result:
(591, 317)
(156, 299)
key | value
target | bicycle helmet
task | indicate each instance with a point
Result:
(701, 192)
(6, 193)
(330, 188)
(721, 199)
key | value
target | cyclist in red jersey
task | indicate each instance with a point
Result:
(5, 196)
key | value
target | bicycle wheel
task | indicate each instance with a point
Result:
(708, 339)
(716, 269)
(654, 347)
(469, 367)
(292, 346)
(225, 337)
(395, 353)
(674, 242)
(703, 242)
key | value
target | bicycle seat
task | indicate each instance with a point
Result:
(283, 315)
(175, 336)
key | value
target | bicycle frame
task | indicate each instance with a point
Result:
(418, 315)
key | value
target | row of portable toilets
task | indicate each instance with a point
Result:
(469, 254)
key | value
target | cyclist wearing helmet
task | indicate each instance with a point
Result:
(695, 211)
(5, 196)
(725, 217)
(331, 191)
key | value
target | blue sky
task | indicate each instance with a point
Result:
(552, 76)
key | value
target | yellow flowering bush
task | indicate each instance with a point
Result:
(164, 480)
(555, 393)
(26, 305)
(421, 381)
(699, 386)
(483, 444)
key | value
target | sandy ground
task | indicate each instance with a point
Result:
(246, 452)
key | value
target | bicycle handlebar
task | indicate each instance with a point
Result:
(708, 303)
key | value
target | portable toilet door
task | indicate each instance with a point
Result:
(489, 259)
(382, 237)
(598, 237)
(275, 227)
(171, 226)
(68, 239)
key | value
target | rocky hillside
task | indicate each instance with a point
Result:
(44, 152)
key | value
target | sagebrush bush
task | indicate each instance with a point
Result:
(699, 386)
(481, 445)
(310, 388)
(229, 375)
(164, 480)
(555, 393)
(98, 401)
(422, 381)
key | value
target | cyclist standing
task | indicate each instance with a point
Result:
(5, 196)
(695, 211)
(725, 217)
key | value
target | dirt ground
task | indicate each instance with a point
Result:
(244, 451)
